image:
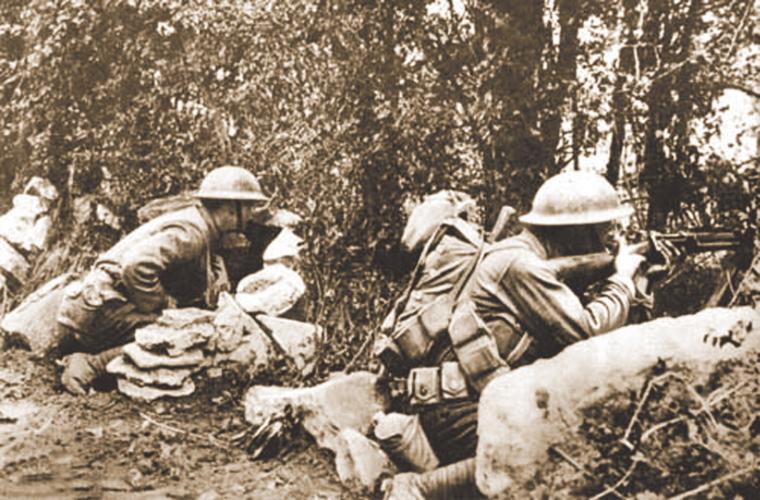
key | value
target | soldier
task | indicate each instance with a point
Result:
(514, 311)
(170, 261)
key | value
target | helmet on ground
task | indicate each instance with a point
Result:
(573, 198)
(231, 183)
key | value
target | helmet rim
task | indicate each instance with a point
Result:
(575, 198)
(231, 183)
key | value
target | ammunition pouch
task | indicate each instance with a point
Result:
(416, 335)
(431, 385)
(475, 346)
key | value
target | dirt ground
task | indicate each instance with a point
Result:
(54, 445)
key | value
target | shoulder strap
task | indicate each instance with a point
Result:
(466, 278)
(431, 243)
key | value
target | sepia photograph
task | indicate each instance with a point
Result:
(380, 249)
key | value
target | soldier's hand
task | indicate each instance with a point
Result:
(667, 254)
(627, 262)
(78, 373)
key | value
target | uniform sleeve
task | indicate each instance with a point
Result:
(553, 314)
(143, 265)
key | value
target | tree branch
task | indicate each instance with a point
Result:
(741, 88)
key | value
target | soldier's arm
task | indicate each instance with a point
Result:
(553, 313)
(143, 265)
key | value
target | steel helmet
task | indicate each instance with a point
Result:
(231, 183)
(573, 198)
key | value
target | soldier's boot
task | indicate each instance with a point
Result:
(403, 439)
(451, 482)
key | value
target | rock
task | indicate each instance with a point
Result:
(284, 249)
(25, 234)
(255, 351)
(41, 233)
(298, 339)
(160, 206)
(16, 227)
(273, 291)
(86, 209)
(175, 339)
(231, 324)
(359, 461)
(34, 320)
(43, 188)
(30, 206)
(284, 218)
(149, 393)
(527, 410)
(13, 264)
(186, 318)
(147, 360)
(344, 401)
(164, 377)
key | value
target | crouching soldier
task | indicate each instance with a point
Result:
(170, 261)
(512, 311)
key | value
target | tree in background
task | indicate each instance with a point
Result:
(348, 110)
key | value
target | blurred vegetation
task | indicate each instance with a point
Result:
(348, 109)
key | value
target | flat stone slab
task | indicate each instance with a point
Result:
(524, 412)
(175, 333)
(163, 377)
(149, 393)
(342, 402)
(148, 360)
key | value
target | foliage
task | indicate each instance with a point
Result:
(348, 110)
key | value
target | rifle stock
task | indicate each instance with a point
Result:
(590, 268)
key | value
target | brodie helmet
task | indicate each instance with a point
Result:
(231, 183)
(574, 198)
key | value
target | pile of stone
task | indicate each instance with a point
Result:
(165, 354)
(24, 232)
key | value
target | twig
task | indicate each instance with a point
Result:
(715, 482)
(661, 425)
(739, 28)
(635, 416)
(712, 400)
(367, 342)
(613, 489)
(567, 458)
(166, 427)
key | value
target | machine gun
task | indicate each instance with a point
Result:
(581, 270)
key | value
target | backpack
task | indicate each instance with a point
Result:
(424, 310)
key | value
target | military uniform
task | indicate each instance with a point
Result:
(528, 314)
(170, 258)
